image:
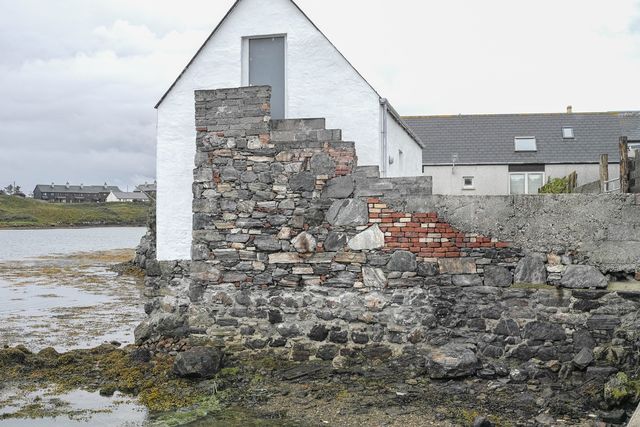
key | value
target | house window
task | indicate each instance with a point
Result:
(525, 182)
(467, 183)
(567, 133)
(264, 64)
(526, 143)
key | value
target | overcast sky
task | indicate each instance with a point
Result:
(79, 78)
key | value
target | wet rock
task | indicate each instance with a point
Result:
(583, 359)
(348, 212)
(452, 361)
(531, 270)
(370, 239)
(495, 275)
(583, 277)
(403, 261)
(544, 331)
(198, 362)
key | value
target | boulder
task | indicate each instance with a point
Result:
(348, 213)
(583, 277)
(531, 270)
(370, 239)
(402, 261)
(198, 362)
(304, 243)
(340, 187)
(452, 361)
(495, 275)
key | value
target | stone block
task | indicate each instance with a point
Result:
(370, 239)
(457, 266)
(348, 213)
(495, 275)
(402, 261)
(374, 278)
(583, 277)
(465, 280)
(285, 258)
(304, 243)
(531, 270)
(340, 187)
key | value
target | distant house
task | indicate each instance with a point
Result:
(120, 197)
(146, 188)
(518, 153)
(73, 193)
(272, 42)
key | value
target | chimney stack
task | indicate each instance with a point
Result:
(569, 109)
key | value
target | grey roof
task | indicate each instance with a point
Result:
(86, 189)
(122, 195)
(489, 139)
(146, 188)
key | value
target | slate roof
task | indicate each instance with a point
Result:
(147, 188)
(86, 189)
(489, 139)
(121, 195)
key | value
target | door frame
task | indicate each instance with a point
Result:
(245, 65)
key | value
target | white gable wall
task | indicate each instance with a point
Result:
(320, 83)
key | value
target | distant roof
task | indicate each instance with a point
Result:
(489, 139)
(146, 188)
(87, 189)
(122, 195)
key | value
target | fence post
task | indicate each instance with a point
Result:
(624, 165)
(604, 172)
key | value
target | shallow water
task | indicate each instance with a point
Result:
(19, 245)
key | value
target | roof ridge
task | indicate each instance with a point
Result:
(522, 114)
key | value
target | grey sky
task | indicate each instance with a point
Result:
(78, 78)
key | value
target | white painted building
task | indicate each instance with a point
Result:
(271, 42)
(126, 197)
(498, 154)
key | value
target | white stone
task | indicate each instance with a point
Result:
(374, 278)
(370, 239)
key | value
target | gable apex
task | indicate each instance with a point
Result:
(226, 16)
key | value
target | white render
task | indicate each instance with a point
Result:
(403, 150)
(319, 83)
(494, 179)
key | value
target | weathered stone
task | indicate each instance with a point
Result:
(531, 270)
(304, 181)
(335, 241)
(339, 337)
(267, 244)
(583, 339)
(348, 212)
(368, 240)
(457, 266)
(318, 333)
(495, 275)
(507, 327)
(285, 258)
(544, 331)
(583, 359)
(465, 280)
(402, 261)
(304, 243)
(340, 187)
(322, 164)
(427, 269)
(603, 322)
(198, 362)
(452, 361)
(374, 278)
(350, 258)
(583, 277)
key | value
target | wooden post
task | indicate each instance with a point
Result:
(604, 172)
(624, 165)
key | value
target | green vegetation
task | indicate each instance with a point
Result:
(556, 186)
(21, 212)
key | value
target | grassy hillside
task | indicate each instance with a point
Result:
(19, 212)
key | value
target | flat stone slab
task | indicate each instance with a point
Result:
(348, 212)
(531, 270)
(583, 277)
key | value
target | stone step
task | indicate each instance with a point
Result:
(298, 124)
(306, 135)
(368, 172)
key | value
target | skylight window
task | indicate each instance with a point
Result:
(567, 133)
(526, 143)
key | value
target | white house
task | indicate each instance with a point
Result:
(497, 154)
(271, 42)
(126, 197)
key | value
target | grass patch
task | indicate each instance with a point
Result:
(20, 212)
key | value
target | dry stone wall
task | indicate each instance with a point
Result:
(297, 250)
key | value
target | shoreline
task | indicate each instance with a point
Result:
(73, 227)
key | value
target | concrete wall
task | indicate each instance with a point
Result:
(494, 179)
(603, 230)
(320, 83)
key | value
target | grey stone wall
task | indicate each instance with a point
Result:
(298, 251)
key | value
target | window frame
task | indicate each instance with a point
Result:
(569, 128)
(526, 181)
(519, 138)
(472, 186)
